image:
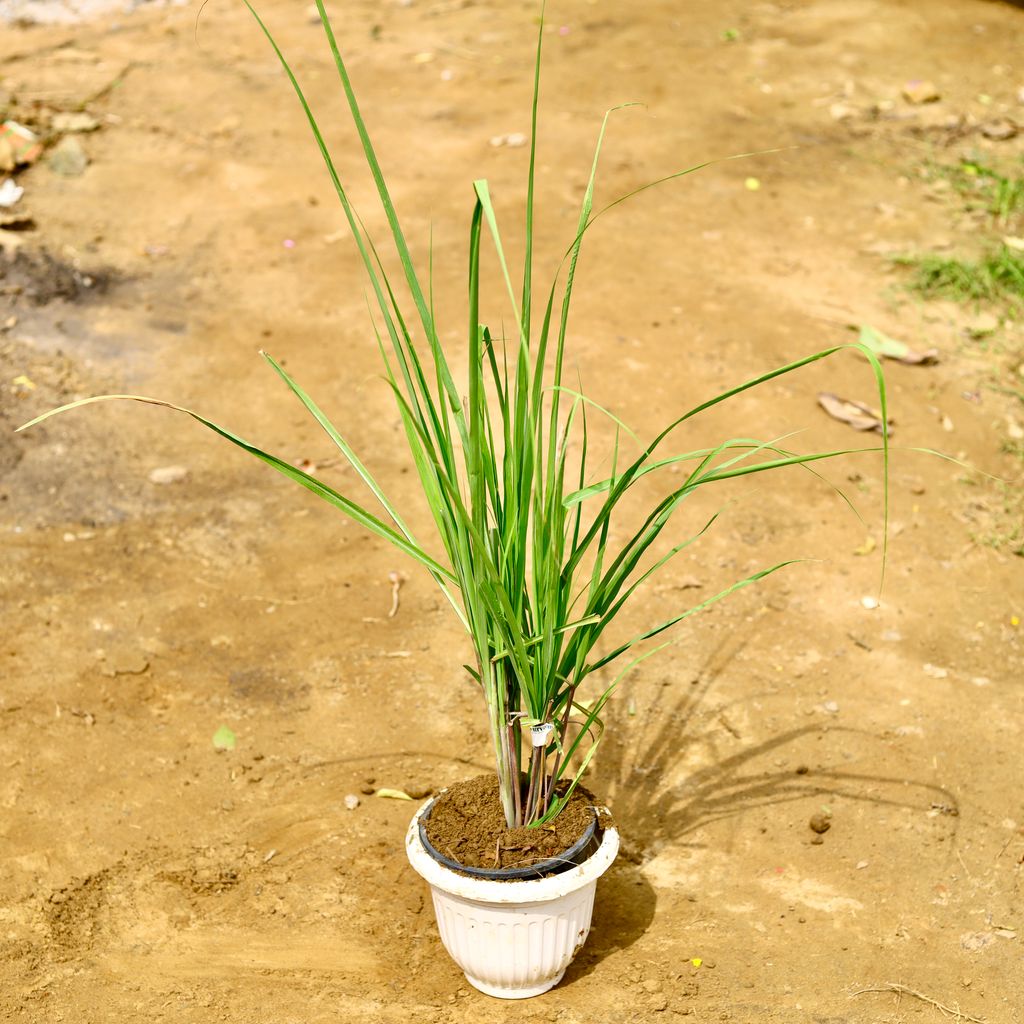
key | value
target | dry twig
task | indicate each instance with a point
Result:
(903, 990)
(396, 580)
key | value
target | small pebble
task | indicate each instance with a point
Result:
(831, 706)
(168, 474)
(513, 140)
(68, 158)
(918, 92)
(367, 790)
(820, 822)
(352, 801)
(999, 130)
(869, 603)
(861, 865)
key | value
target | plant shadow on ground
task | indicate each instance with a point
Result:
(623, 911)
(653, 813)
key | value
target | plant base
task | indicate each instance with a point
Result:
(514, 939)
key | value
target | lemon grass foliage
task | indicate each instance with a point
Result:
(527, 565)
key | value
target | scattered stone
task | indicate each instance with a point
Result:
(981, 680)
(842, 112)
(935, 671)
(68, 158)
(909, 730)
(168, 475)
(513, 140)
(831, 706)
(352, 801)
(918, 92)
(367, 790)
(125, 663)
(861, 865)
(10, 193)
(817, 841)
(974, 941)
(74, 121)
(802, 769)
(820, 822)
(983, 324)
(419, 792)
(999, 130)
(869, 602)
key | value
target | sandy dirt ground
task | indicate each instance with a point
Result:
(146, 876)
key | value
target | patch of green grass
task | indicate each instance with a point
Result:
(999, 194)
(996, 277)
(1003, 527)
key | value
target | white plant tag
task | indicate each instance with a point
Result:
(539, 733)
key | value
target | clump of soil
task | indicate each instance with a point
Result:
(467, 825)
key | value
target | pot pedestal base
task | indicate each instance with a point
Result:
(516, 993)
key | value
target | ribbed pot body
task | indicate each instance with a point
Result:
(513, 939)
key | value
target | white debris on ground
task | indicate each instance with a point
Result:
(69, 12)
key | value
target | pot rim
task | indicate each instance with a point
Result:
(576, 854)
(520, 890)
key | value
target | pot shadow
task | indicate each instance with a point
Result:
(623, 911)
(653, 814)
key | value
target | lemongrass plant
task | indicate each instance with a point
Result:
(528, 565)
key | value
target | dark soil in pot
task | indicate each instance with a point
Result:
(467, 826)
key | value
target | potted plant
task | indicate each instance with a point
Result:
(525, 558)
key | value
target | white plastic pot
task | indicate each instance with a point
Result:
(513, 939)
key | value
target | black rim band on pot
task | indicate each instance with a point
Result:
(573, 857)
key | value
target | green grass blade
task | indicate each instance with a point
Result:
(668, 623)
(343, 446)
(318, 487)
